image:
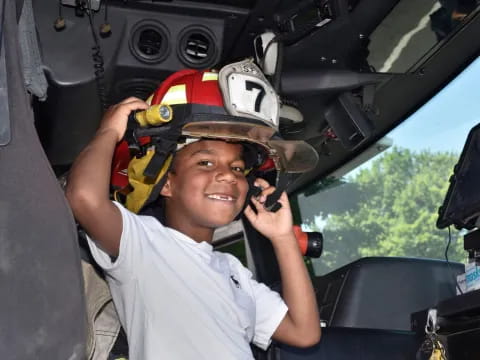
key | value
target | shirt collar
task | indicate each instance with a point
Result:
(202, 246)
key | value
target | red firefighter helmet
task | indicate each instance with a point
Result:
(236, 104)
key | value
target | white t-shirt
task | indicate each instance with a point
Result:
(179, 299)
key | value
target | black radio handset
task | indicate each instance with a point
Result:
(271, 203)
(253, 191)
(283, 180)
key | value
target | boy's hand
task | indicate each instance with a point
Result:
(276, 226)
(301, 325)
(116, 117)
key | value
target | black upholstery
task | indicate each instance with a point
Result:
(382, 292)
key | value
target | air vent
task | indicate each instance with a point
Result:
(149, 41)
(197, 47)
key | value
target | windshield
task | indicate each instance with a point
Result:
(411, 28)
(385, 202)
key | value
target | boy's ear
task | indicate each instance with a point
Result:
(166, 188)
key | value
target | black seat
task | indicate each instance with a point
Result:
(382, 292)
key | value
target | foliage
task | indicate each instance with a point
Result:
(394, 212)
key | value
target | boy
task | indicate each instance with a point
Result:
(175, 296)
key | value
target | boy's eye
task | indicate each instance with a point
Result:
(207, 163)
(239, 169)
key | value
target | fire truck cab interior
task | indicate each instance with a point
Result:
(347, 73)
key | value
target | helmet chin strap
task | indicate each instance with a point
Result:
(271, 203)
(283, 180)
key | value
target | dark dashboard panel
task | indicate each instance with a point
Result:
(151, 39)
(144, 48)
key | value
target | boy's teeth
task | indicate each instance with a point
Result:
(220, 197)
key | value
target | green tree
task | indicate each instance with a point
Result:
(395, 211)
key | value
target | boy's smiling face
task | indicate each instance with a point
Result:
(207, 187)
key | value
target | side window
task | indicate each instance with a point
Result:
(385, 202)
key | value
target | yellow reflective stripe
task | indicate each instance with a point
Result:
(175, 95)
(142, 186)
(209, 76)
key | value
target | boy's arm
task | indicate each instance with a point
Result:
(89, 179)
(301, 325)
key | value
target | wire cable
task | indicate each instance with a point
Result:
(277, 76)
(448, 261)
(106, 11)
(98, 61)
(265, 52)
(276, 80)
(60, 8)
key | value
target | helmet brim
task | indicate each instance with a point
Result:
(291, 156)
